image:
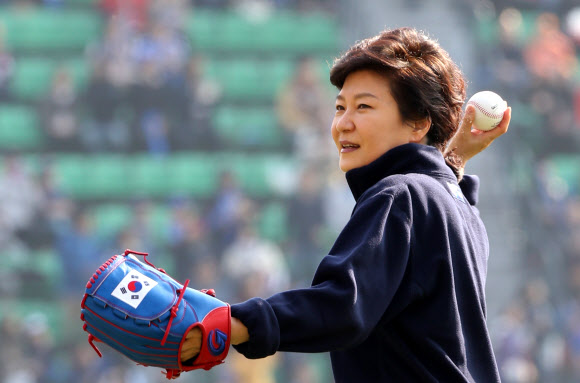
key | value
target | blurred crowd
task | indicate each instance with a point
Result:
(532, 58)
(148, 94)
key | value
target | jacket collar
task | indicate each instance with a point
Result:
(403, 159)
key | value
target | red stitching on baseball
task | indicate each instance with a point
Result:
(482, 110)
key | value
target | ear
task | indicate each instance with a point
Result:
(419, 131)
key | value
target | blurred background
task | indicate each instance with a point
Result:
(198, 131)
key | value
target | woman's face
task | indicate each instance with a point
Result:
(367, 122)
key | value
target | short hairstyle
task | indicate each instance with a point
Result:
(423, 79)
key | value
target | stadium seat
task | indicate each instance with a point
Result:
(47, 263)
(70, 174)
(250, 80)
(36, 313)
(148, 176)
(33, 75)
(566, 167)
(272, 223)
(222, 31)
(180, 174)
(106, 176)
(111, 218)
(261, 176)
(193, 174)
(83, 2)
(19, 128)
(39, 30)
(245, 127)
(86, 177)
(160, 220)
(312, 34)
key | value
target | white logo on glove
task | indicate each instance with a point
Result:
(133, 288)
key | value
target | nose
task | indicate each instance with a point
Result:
(344, 122)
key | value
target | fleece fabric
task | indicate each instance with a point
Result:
(400, 296)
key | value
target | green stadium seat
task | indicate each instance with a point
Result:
(566, 167)
(312, 34)
(248, 170)
(148, 176)
(272, 222)
(97, 176)
(47, 263)
(529, 28)
(111, 218)
(82, 2)
(194, 174)
(159, 220)
(25, 311)
(225, 31)
(106, 176)
(487, 30)
(248, 127)
(19, 129)
(40, 30)
(250, 79)
(70, 174)
(261, 176)
(33, 75)
(180, 174)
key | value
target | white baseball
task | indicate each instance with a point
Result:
(489, 109)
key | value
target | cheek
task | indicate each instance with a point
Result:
(334, 132)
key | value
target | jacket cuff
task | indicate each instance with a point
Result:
(470, 188)
(257, 315)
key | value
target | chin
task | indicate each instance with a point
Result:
(345, 166)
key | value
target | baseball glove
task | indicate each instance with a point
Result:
(143, 313)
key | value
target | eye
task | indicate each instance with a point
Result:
(363, 106)
(339, 107)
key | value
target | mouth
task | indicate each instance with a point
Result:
(347, 147)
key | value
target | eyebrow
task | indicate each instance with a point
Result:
(357, 96)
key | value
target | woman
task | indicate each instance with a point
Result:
(400, 296)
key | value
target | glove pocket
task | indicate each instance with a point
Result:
(136, 290)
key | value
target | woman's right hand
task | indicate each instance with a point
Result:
(468, 142)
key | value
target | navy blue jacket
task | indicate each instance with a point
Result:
(400, 296)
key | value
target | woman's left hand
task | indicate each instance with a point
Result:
(192, 345)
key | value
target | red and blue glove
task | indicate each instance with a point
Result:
(143, 313)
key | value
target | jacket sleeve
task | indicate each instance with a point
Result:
(351, 290)
(470, 188)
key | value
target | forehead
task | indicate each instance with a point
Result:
(365, 81)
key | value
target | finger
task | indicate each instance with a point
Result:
(502, 127)
(468, 117)
(505, 122)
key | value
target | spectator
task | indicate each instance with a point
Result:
(303, 111)
(134, 12)
(80, 248)
(59, 112)
(226, 212)
(550, 56)
(6, 69)
(189, 245)
(254, 266)
(151, 128)
(305, 216)
(102, 128)
(21, 200)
